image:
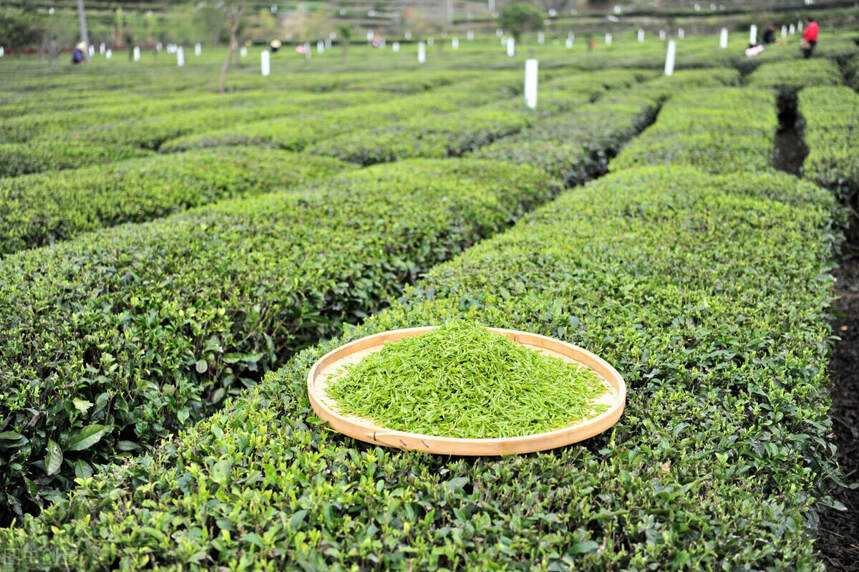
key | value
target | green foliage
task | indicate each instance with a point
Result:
(710, 295)
(17, 29)
(437, 136)
(576, 146)
(36, 210)
(124, 335)
(791, 76)
(45, 155)
(520, 18)
(718, 130)
(461, 380)
(831, 117)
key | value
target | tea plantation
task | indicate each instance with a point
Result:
(174, 260)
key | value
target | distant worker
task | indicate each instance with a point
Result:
(79, 54)
(769, 35)
(809, 37)
(275, 45)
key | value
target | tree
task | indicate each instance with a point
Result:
(233, 18)
(345, 31)
(520, 18)
(84, 33)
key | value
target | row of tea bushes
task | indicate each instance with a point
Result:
(295, 133)
(448, 135)
(791, 76)
(831, 116)
(576, 146)
(708, 293)
(453, 134)
(123, 335)
(718, 130)
(111, 122)
(45, 155)
(37, 210)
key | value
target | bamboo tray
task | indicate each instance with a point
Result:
(365, 430)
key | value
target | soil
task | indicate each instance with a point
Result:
(838, 536)
(790, 149)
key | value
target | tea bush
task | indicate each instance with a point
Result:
(719, 130)
(36, 210)
(38, 156)
(126, 334)
(576, 146)
(831, 116)
(790, 76)
(709, 294)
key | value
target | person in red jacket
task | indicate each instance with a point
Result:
(809, 37)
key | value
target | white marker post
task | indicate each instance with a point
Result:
(681, 33)
(136, 53)
(661, 35)
(723, 38)
(570, 39)
(640, 36)
(470, 35)
(784, 32)
(608, 39)
(669, 58)
(499, 32)
(180, 57)
(792, 29)
(108, 54)
(101, 48)
(454, 43)
(243, 52)
(531, 83)
(541, 37)
(511, 47)
(430, 42)
(91, 50)
(422, 52)
(2, 51)
(753, 35)
(395, 46)
(370, 36)
(320, 47)
(307, 51)
(799, 26)
(265, 62)
(198, 49)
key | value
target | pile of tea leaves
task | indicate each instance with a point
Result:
(461, 380)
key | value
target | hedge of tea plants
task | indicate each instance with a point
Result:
(41, 209)
(709, 293)
(790, 76)
(45, 155)
(831, 116)
(123, 335)
(576, 146)
(719, 130)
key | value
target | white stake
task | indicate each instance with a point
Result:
(531, 83)
(2, 51)
(608, 39)
(784, 31)
(792, 29)
(136, 54)
(753, 35)
(454, 43)
(640, 36)
(243, 52)
(511, 47)
(723, 38)
(422, 52)
(669, 58)
(265, 62)
(570, 39)
(320, 47)
(198, 49)
(541, 37)
(395, 46)
(180, 57)
(470, 35)
(681, 33)
(101, 48)
(108, 54)
(661, 35)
